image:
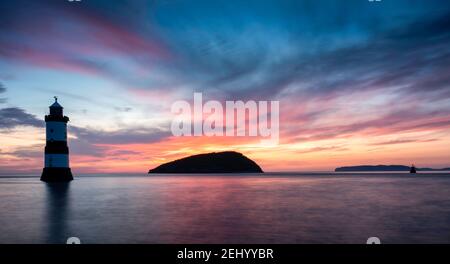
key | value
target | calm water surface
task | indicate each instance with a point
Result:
(274, 208)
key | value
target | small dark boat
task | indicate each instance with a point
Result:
(413, 169)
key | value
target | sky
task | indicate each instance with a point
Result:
(358, 82)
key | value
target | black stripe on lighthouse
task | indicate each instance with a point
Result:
(56, 147)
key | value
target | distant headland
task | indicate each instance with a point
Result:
(384, 168)
(217, 162)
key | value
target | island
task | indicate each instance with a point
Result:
(384, 168)
(216, 162)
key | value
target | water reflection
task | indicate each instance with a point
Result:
(58, 206)
(228, 209)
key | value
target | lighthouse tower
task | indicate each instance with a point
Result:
(56, 151)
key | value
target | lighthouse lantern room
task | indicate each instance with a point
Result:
(56, 167)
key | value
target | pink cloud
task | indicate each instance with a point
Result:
(82, 42)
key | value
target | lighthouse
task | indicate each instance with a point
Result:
(56, 168)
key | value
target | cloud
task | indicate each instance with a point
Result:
(100, 143)
(123, 136)
(85, 42)
(399, 121)
(408, 74)
(2, 90)
(386, 60)
(403, 141)
(286, 58)
(124, 152)
(321, 149)
(123, 109)
(28, 152)
(12, 117)
(397, 58)
(80, 146)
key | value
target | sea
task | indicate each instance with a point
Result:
(324, 208)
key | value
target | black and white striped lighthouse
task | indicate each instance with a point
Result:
(56, 150)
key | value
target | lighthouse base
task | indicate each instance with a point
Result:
(56, 175)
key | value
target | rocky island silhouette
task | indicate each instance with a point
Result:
(216, 162)
(362, 168)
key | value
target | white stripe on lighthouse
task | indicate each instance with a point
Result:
(56, 161)
(56, 131)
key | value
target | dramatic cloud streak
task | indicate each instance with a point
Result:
(2, 90)
(13, 117)
(118, 137)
